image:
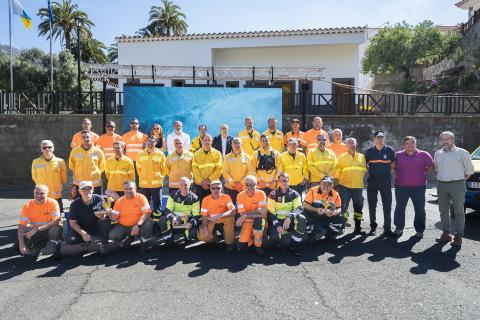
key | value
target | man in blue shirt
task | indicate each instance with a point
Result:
(380, 160)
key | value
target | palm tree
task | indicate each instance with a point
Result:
(91, 49)
(165, 20)
(64, 21)
(113, 53)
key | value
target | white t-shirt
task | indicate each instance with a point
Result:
(184, 137)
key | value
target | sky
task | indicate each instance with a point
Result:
(116, 17)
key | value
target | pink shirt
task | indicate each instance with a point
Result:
(411, 171)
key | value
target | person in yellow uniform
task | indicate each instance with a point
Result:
(197, 142)
(267, 164)
(118, 169)
(50, 171)
(236, 166)
(250, 137)
(352, 168)
(295, 133)
(178, 164)
(294, 163)
(206, 166)
(321, 162)
(87, 163)
(337, 146)
(274, 135)
(151, 170)
(311, 135)
(77, 137)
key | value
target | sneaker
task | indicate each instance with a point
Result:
(444, 238)
(398, 233)
(259, 251)
(457, 241)
(419, 235)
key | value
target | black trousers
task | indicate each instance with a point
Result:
(332, 225)
(383, 186)
(153, 195)
(233, 194)
(40, 239)
(200, 192)
(100, 229)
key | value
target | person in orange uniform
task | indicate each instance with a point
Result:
(206, 166)
(337, 146)
(151, 170)
(322, 207)
(235, 168)
(118, 169)
(134, 140)
(274, 135)
(321, 162)
(252, 208)
(77, 137)
(311, 135)
(132, 212)
(250, 137)
(217, 209)
(50, 171)
(87, 163)
(39, 222)
(106, 141)
(267, 164)
(178, 165)
(294, 163)
(295, 133)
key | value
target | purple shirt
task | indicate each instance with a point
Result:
(411, 171)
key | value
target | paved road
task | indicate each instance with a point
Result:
(355, 278)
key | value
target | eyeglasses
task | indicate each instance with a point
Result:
(322, 140)
(87, 188)
(47, 147)
(215, 188)
(110, 126)
(134, 123)
(283, 181)
(250, 184)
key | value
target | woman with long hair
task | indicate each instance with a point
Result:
(157, 132)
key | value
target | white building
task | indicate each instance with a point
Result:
(470, 5)
(338, 50)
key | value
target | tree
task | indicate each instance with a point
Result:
(401, 47)
(64, 21)
(165, 20)
(91, 49)
(113, 53)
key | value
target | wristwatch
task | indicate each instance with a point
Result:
(139, 225)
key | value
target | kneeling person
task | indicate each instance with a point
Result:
(322, 207)
(39, 222)
(217, 209)
(285, 214)
(132, 212)
(88, 218)
(181, 213)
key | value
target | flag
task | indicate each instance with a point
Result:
(50, 14)
(19, 11)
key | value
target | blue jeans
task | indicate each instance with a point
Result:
(417, 194)
(354, 194)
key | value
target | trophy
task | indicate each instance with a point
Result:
(184, 224)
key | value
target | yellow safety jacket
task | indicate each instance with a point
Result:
(266, 175)
(235, 169)
(321, 164)
(250, 142)
(196, 145)
(177, 166)
(118, 171)
(276, 139)
(151, 168)
(296, 167)
(52, 173)
(207, 165)
(87, 165)
(351, 170)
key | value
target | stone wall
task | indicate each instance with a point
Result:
(20, 135)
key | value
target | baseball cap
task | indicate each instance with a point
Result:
(85, 184)
(295, 120)
(293, 140)
(327, 179)
(379, 134)
(215, 182)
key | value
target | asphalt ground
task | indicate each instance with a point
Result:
(357, 277)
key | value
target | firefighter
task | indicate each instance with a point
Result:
(235, 168)
(206, 166)
(250, 137)
(178, 164)
(321, 162)
(311, 136)
(118, 169)
(267, 164)
(274, 135)
(295, 164)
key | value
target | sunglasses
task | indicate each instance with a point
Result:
(87, 188)
(216, 188)
(322, 140)
(250, 184)
(110, 126)
(134, 123)
(47, 147)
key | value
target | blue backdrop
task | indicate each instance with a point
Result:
(195, 105)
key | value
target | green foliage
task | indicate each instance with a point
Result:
(113, 53)
(447, 85)
(458, 55)
(468, 78)
(165, 20)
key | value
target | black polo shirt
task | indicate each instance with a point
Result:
(379, 162)
(85, 215)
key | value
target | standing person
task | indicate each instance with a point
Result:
(217, 209)
(178, 165)
(454, 166)
(87, 163)
(50, 171)
(39, 223)
(267, 164)
(252, 208)
(106, 141)
(294, 163)
(151, 170)
(321, 162)
(380, 160)
(411, 170)
(206, 166)
(223, 142)
(134, 140)
(77, 137)
(274, 135)
(177, 134)
(88, 218)
(197, 142)
(295, 133)
(250, 137)
(351, 170)
(337, 146)
(157, 132)
(311, 136)
(118, 169)
(235, 168)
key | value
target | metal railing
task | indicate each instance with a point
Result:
(465, 27)
(299, 103)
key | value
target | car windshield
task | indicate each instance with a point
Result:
(476, 154)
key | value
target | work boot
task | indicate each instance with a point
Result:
(143, 247)
(230, 248)
(103, 250)
(358, 227)
(457, 241)
(347, 223)
(444, 238)
(56, 254)
(373, 229)
(168, 244)
(259, 251)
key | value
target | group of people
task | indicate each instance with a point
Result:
(282, 188)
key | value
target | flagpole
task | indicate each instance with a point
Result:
(11, 48)
(51, 56)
